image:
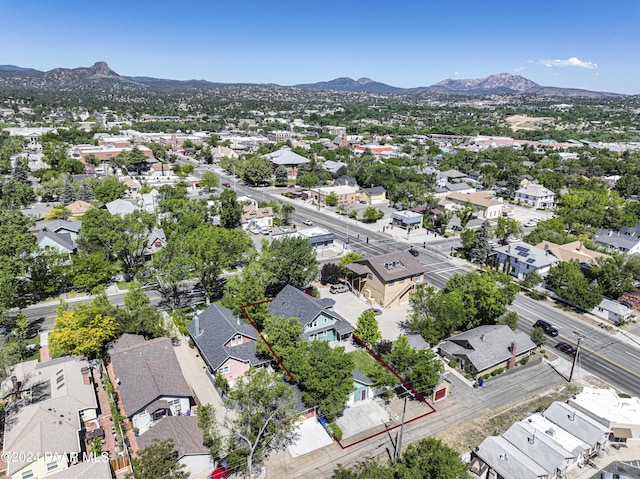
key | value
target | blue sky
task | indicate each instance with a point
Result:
(582, 44)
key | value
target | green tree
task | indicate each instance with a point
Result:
(108, 189)
(612, 276)
(532, 280)
(230, 210)
(84, 330)
(367, 328)
(331, 199)
(208, 423)
(510, 318)
(158, 460)
(284, 337)
(506, 227)
(538, 337)
(567, 281)
(264, 419)
(348, 258)
(288, 261)
(372, 214)
(430, 458)
(139, 317)
(286, 210)
(209, 181)
(89, 270)
(257, 170)
(465, 213)
(308, 180)
(21, 171)
(435, 314)
(480, 248)
(331, 273)
(247, 287)
(281, 175)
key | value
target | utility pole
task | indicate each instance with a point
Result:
(399, 442)
(575, 358)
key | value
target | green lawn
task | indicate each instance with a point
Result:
(124, 285)
(364, 362)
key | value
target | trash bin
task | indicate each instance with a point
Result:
(480, 382)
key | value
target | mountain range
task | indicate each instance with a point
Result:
(100, 76)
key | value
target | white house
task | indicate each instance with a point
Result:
(615, 311)
(519, 259)
(536, 196)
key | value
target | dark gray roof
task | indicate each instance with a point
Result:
(487, 346)
(375, 190)
(417, 342)
(454, 174)
(405, 266)
(539, 447)
(456, 187)
(62, 239)
(286, 157)
(507, 460)
(625, 238)
(147, 370)
(293, 303)
(577, 423)
(57, 225)
(187, 436)
(361, 377)
(217, 326)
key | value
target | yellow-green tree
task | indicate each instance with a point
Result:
(83, 331)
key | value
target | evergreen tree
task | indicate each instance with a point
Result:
(21, 171)
(85, 193)
(68, 194)
(480, 247)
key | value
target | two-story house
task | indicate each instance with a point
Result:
(317, 316)
(625, 240)
(48, 408)
(149, 380)
(519, 259)
(536, 196)
(227, 344)
(387, 280)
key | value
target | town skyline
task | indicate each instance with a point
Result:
(411, 45)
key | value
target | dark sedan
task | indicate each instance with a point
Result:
(566, 348)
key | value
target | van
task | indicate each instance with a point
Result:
(338, 288)
(546, 327)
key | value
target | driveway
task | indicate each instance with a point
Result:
(311, 436)
(350, 307)
(360, 417)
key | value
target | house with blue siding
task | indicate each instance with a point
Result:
(362, 387)
(319, 320)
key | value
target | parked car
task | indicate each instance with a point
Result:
(375, 311)
(226, 185)
(338, 288)
(546, 327)
(566, 348)
(223, 470)
(284, 229)
(291, 186)
(266, 231)
(414, 252)
(307, 222)
(530, 224)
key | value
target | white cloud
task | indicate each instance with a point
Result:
(456, 73)
(519, 69)
(570, 62)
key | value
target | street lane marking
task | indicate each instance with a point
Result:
(630, 354)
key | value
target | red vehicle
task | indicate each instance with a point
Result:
(223, 470)
(566, 348)
(291, 186)
(226, 185)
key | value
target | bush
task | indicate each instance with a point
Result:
(337, 432)
(453, 363)
(524, 361)
(468, 375)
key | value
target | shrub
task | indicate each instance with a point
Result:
(337, 432)
(524, 361)
(453, 363)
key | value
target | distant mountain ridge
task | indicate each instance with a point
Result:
(101, 76)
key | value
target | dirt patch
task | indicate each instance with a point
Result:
(497, 421)
(521, 122)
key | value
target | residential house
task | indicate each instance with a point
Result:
(219, 152)
(614, 311)
(317, 316)
(149, 201)
(72, 228)
(375, 195)
(406, 219)
(536, 196)
(155, 242)
(227, 344)
(570, 251)
(120, 207)
(345, 181)
(78, 208)
(362, 387)
(58, 241)
(133, 186)
(625, 240)
(562, 438)
(333, 166)
(619, 414)
(318, 237)
(254, 217)
(486, 348)
(188, 443)
(148, 379)
(497, 458)
(95, 469)
(448, 188)
(346, 194)
(48, 408)
(287, 158)
(580, 425)
(454, 176)
(487, 207)
(387, 280)
(519, 259)
(540, 448)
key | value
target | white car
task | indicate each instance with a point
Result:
(307, 222)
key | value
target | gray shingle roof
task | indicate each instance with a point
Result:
(537, 446)
(525, 252)
(62, 239)
(625, 238)
(57, 225)
(286, 157)
(487, 346)
(217, 326)
(293, 303)
(577, 423)
(97, 469)
(187, 436)
(507, 460)
(375, 190)
(147, 371)
(120, 207)
(406, 266)
(361, 377)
